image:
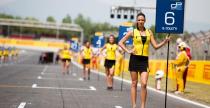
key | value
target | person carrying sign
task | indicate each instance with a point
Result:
(86, 53)
(138, 63)
(109, 64)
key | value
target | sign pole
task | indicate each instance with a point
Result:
(166, 90)
(97, 64)
(122, 74)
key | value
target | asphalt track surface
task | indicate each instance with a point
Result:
(27, 84)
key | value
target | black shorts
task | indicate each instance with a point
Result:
(65, 60)
(6, 55)
(109, 63)
(85, 61)
(138, 63)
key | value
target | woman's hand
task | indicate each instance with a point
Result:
(167, 39)
(131, 51)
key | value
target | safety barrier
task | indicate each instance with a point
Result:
(31, 43)
(198, 71)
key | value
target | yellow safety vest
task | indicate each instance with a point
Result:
(1, 52)
(6, 52)
(110, 51)
(140, 48)
(87, 53)
(66, 54)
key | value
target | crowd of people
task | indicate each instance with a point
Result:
(8, 55)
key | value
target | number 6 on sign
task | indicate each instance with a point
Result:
(169, 16)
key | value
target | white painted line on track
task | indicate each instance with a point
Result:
(42, 78)
(44, 70)
(81, 79)
(39, 77)
(150, 88)
(22, 105)
(34, 86)
(92, 88)
(118, 107)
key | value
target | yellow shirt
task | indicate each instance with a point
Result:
(66, 54)
(13, 52)
(1, 52)
(87, 53)
(6, 52)
(110, 51)
(141, 43)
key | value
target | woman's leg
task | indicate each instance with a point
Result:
(107, 76)
(67, 66)
(111, 74)
(134, 78)
(63, 67)
(84, 71)
(88, 71)
(144, 78)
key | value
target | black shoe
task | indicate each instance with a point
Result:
(88, 78)
(109, 88)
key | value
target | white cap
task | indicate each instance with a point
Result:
(179, 40)
(159, 74)
(183, 44)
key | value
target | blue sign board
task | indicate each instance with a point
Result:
(74, 46)
(170, 16)
(123, 31)
(98, 41)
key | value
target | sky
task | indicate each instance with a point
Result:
(197, 17)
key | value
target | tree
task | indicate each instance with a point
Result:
(67, 19)
(90, 28)
(31, 19)
(51, 19)
(18, 17)
(3, 15)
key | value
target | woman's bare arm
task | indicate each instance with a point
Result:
(154, 43)
(123, 40)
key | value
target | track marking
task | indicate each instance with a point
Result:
(92, 88)
(44, 70)
(81, 79)
(39, 77)
(42, 78)
(150, 88)
(118, 107)
(34, 86)
(22, 105)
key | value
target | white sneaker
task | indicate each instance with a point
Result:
(178, 92)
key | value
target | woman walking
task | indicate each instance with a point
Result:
(109, 64)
